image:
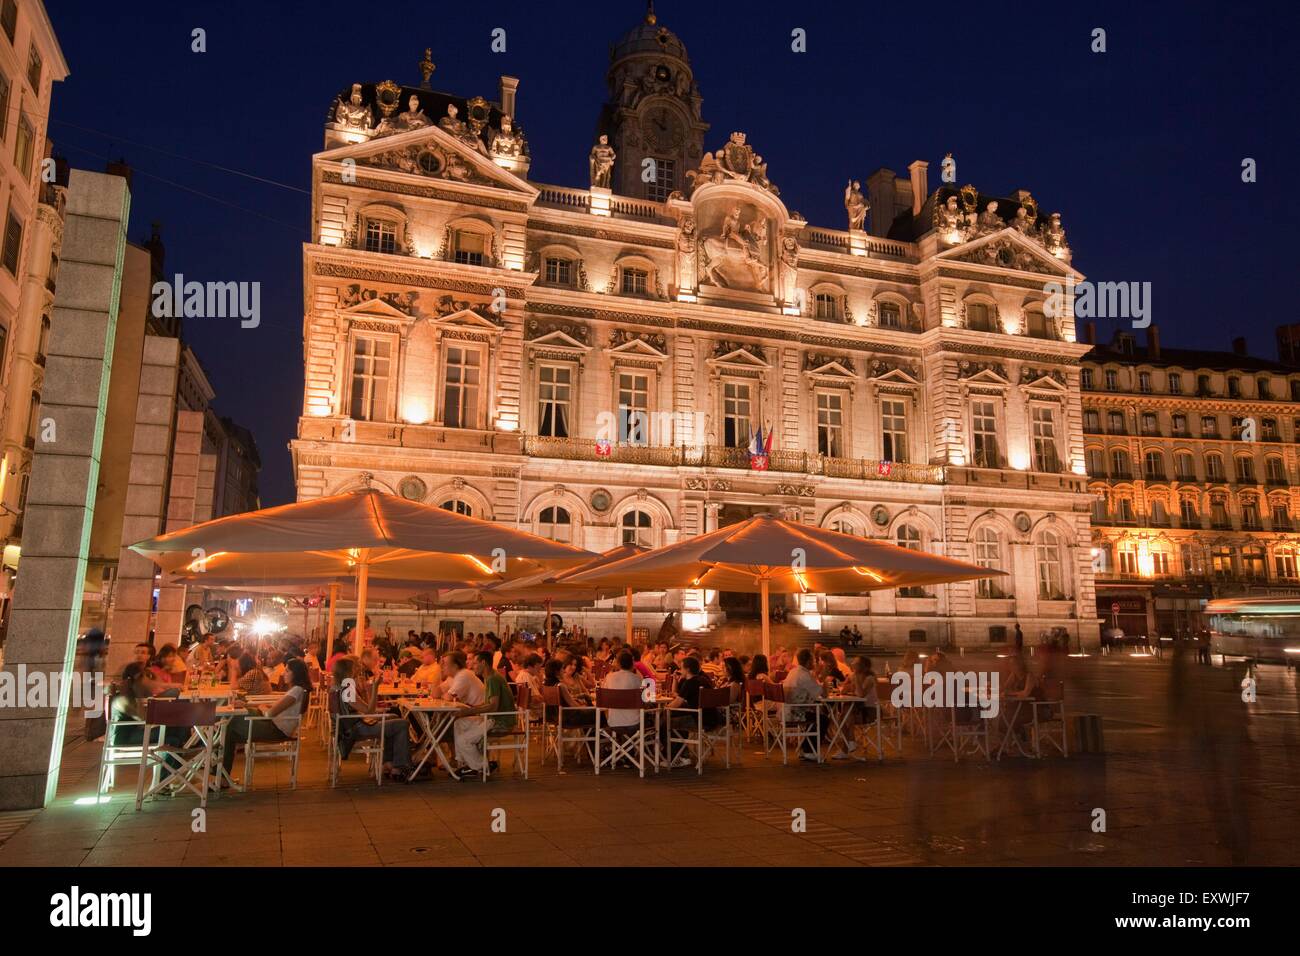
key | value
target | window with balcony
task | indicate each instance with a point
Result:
(554, 397)
(1124, 512)
(1185, 465)
(1246, 470)
(1150, 424)
(737, 414)
(1091, 420)
(1096, 462)
(1100, 510)
(830, 423)
(893, 430)
(461, 385)
(1275, 470)
(1280, 516)
(1209, 426)
(1250, 514)
(633, 408)
(1219, 513)
(1188, 516)
(1203, 385)
(1159, 516)
(1268, 430)
(1119, 464)
(1213, 467)
(1180, 425)
(1153, 466)
(984, 435)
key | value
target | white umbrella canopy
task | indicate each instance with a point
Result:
(366, 533)
(768, 554)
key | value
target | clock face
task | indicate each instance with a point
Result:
(663, 129)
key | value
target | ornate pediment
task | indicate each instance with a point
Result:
(424, 160)
(984, 371)
(573, 335)
(891, 370)
(357, 298)
(1008, 249)
(735, 162)
(1050, 378)
(449, 311)
(740, 353)
(633, 342)
(821, 364)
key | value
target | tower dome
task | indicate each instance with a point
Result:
(649, 36)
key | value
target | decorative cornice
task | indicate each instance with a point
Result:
(594, 232)
(423, 191)
(338, 270)
(536, 329)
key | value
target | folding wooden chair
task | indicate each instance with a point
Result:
(781, 730)
(515, 739)
(177, 766)
(576, 734)
(753, 713)
(962, 731)
(1049, 718)
(625, 743)
(291, 749)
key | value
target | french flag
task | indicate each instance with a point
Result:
(759, 449)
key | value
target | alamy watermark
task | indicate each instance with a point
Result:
(1101, 300)
(39, 689)
(208, 300)
(916, 688)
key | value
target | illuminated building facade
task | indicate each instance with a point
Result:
(591, 363)
(1191, 461)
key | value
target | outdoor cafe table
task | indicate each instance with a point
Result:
(1010, 739)
(434, 718)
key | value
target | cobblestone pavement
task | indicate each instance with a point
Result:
(1191, 776)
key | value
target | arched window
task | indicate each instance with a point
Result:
(1214, 467)
(458, 506)
(555, 523)
(1188, 515)
(1119, 464)
(1159, 515)
(1153, 466)
(988, 554)
(844, 526)
(638, 529)
(1051, 581)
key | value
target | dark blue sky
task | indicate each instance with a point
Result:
(1139, 148)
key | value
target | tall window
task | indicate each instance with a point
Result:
(1036, 325)
(737, 428)
(555, 523)
(889, 315)
(4, 105)
(1219, 513)
(1246, 470)
(1185, 466)
(1144, 381)
(1221, 562)
(1085, 379)
(9, 18)
(1249, 513)
(633, 408)
(1045, 454)
(988, 555)
(34, 67)
(830, 424)
(1112, 380)
(893, 429)
(4, 342)
(462, 378)
(1213, 467)
(1209, 426)
(1153, 466)
(984, 433)
(1115, 423)
(1096, 459)
(1180, 424)
(1119, 464)
(665, 181)
(1253, 563)
(1262, 388)
(910, 538)
(381, 236)
(1051, 585)
(1281, 516)
(1091, 420)
(1158, 513)
(1160, 561)
(554, 392)
(13, 242)
(637, 528)
(1175, 384)
(1284, 563)
(371, 374)
(457, 506)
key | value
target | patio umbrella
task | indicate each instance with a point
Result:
(546, 588)
(768, 554)
(366, 532)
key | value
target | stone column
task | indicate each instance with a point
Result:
(65, 472)
(146, 493)
(180, 514)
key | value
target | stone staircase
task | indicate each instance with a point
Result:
(745, 636)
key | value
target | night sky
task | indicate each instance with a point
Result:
(1139, 148)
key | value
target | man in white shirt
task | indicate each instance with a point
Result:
(461, 685)
(428, 672)
(624, 678)
(801, 687)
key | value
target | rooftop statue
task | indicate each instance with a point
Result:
(856, 205)
(601, 163)
(352, 113)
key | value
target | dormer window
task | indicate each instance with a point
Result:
(381, 236)
(633, 281)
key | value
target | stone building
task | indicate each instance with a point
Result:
(592, 363)
(1192, 461)
(32, 192)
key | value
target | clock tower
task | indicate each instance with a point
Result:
(653, 112)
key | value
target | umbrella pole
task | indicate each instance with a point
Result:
(762, 611)
(329, 640)
(359, 629)
(628, 592)
(548, 624)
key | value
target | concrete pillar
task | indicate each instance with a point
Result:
(181, 494)
(65, 471)
(146, 493)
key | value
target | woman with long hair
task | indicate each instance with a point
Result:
(285, 714)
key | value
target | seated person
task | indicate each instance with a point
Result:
(495, 698)
(282, 726)
(734, 678)
(623, 677)
(169, 666)
(355, 698)
(137, 685)
(428, 671)
(687, 691)
(252, 679)
(530, 673)
(801, 687)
